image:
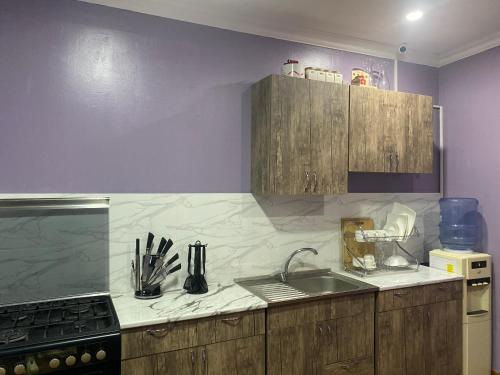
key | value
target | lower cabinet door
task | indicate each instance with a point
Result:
(183, 362)
(362, 366)
(390, 343)
(292, 350)
(140, 366)
(414, 328)
(326, 337)
(245, 356)
(436, 352)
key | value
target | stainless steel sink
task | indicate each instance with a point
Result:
(301, 285)
(322, 284)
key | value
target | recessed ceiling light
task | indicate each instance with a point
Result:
(414, 16)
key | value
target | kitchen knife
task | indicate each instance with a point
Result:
(137, 265)
(147, 258)
(149, 244)
(167, 247)
(162, 244)
(172, 260)
(164, 272)
(164, 267)
(160, 260)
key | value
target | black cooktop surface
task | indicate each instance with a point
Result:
(42, 322)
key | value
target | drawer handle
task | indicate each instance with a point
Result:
(443, 288)
(161, 332)
(400, 294)
(232, 321)
(345, 367)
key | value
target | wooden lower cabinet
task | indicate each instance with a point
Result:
(140, 366)
(232, 344)
(409, 331)
(419, 331)
(182, 362)
(239, 357)
(330, 337)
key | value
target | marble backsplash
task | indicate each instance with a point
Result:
(248, 235)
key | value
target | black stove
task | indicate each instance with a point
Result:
(65, 336)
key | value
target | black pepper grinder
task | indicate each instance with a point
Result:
(195, 282)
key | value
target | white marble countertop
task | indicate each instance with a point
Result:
(395, 280)
(178, 305)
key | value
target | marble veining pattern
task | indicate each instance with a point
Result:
(249, 235)
(175, 305)
(46, 255)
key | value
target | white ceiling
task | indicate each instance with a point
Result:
(449, 30)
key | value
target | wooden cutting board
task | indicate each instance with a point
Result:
(360, 249)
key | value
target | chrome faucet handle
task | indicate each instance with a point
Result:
(284, 275)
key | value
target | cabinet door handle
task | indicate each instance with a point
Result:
(161, 332)
(192, 358)
(329, 329)
(308, 182)
(315, 182)
(397, 162)
(203, 356)
(235, 320)
(321, 330)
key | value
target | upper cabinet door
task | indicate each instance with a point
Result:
(299, 136)
(329, 130)
(420, 144)
(389, 131)
(291, 138)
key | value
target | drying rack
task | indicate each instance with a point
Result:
(381, 269)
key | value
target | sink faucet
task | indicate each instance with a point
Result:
(284, 275)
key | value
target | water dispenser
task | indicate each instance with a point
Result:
(476, 269)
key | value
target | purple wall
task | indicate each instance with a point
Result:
(95, 99)
(469, 90)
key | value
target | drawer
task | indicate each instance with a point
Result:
(317, 311)
(235, 326)
(400, 298)
(364, 366)
(443, 292)
(178, 335)
(190, 333)
(352, 305)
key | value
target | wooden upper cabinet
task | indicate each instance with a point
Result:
(299, 136)
(390, 131)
